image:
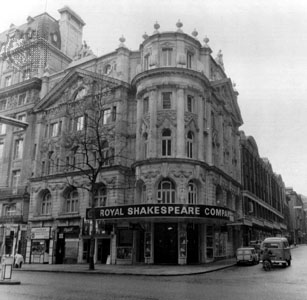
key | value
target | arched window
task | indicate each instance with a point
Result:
(190, 140)
(219, 196)
(166, 142)
(144, 193)
(166, 191)
(101, 196)
(71, 202)
(46, 203)
(145, 141)
(192, 193)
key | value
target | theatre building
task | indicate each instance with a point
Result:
(187, 160)
(168, 191)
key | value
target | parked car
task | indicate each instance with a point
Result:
(278, 249)
(247, 255)
(18, 260)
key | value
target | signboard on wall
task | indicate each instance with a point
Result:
(41, 233)
(160, 210)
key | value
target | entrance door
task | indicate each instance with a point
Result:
(166, 243)
(60, 249)
(192, 244)
(103, 250)
(139, 255)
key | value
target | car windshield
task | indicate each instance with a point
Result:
(271, 245)
(244, 251)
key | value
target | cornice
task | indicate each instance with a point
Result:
(169, 72)
(33, 83)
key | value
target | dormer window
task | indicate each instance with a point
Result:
(167, 56)
(80, 94)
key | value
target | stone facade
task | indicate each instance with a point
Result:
(167, 150)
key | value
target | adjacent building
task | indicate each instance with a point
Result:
(297, 217)
(263, 195)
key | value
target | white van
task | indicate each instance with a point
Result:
(279, 250)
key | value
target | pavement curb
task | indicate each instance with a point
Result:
(125, 273)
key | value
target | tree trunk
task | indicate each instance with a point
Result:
(93, 232)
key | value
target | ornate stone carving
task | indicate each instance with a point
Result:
(83, 51)
(166, 115)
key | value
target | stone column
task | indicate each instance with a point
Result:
(152, 136)
(200, 149)
(221, 140)
(139, 106)
(180, 124)
(209, 158)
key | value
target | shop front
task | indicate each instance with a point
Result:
(167, 233)
(41, 245)
(67, 245)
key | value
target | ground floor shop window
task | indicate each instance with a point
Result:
(209, 242)
(71, 250)
(220, 244)
(40, 251)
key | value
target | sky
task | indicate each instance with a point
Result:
(264, 46)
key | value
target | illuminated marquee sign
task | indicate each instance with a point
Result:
(160, 210)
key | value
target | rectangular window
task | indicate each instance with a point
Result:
(3, 104)
(54, 129)
(18, 149)
(34, 151)
(167, 56)
(2, 128)
(166, 147)
(80, 123)
(22, 118)
(15, 180)
(166, 100)
(26, 74)
(10, 210)
(114, 112)
(146, 62)
(1, 148)
(106, 116)
(189, 60)
(145, 105)
(8, 81)
(60, 128)
(22, 99)
(43, 168)
(190, 103)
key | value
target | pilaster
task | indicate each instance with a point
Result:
(180, 124)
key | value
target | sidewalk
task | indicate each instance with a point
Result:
(145, 270)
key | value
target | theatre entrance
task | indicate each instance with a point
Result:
(165, 243)
(192, 244)
(103, 250)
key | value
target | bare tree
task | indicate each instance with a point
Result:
(96, 138)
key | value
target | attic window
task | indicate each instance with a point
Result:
(107, 69)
